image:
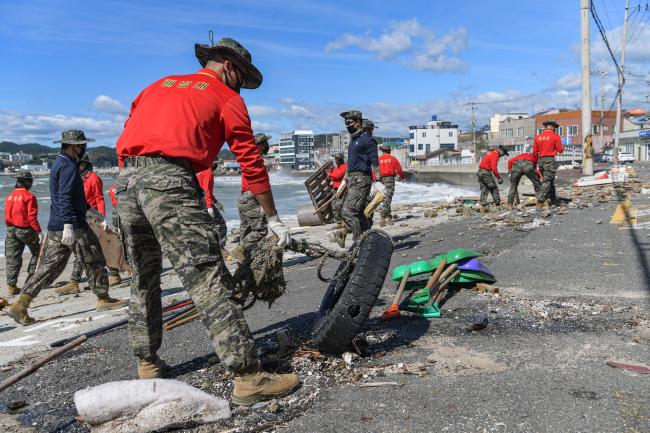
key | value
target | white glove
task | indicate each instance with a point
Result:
(68, 235)
(211, 212)
(280, 230)
(104, 225)
(378, 187)
(41, 237)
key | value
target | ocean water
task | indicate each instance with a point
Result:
(288, 190)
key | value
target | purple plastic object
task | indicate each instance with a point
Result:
(474, 265)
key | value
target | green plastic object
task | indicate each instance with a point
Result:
(436, 261)
(429, 312)
(474, 277)
(459, 254)
(416, 268)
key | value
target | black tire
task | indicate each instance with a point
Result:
(349, 300)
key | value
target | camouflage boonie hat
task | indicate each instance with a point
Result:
(352, 114)
(85, 159)
(24, 174)
(385, 148)
(551, 122)
(236, 53)
(260, 138)
(367, 123)
(73, 136)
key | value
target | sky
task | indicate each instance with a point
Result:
(79, 64)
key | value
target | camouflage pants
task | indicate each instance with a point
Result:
(389, 183)
(55, 257)
(222, 229)
(162, 209)
(254, 226)
(488, 186)
(547, 167)
(337, 206)
(17, 239)
(355, 202)
(519, 169)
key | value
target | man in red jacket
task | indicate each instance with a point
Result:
(545, 147)
(176, 127)
(519, 166)
(21, 217)
(336, 175)
(389, 167)
(206, 182)
(486, 169)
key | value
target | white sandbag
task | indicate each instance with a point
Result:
(139, 406)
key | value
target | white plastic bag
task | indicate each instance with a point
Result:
(139, 406)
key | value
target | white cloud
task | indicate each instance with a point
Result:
(44, 128)
(261, 110)
(412, 44)
(109, 105)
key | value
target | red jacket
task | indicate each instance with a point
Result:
(191, 116)
(490, 162)
(94, 192)
(337, 174)
(21, 210)
(111, 194)
(548, 143)
(522, 156)
(390, 166)
(206, 181)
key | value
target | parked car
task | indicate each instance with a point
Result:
(624, 157)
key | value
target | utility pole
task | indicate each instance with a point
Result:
(472, 106)
(621, 82)
(587, 149)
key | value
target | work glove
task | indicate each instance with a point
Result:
(342, 187)
(280, 230)
(104, 225)
(500, 181)
(378, 187)
(211, 212)
(41, 237)
(68, 235)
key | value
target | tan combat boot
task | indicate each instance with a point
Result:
(238, 254)
(338, 237)
(262, 386)
(18, 310)
(152, 368)
(13, 290)
(483, 209)
(539, 206)
(69, 289)
(114, 280)
(507, 206)
(108, 303)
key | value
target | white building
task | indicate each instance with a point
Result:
(34, 167)
(297, 150)
(20, 157)
(435, 135)
(500, 117)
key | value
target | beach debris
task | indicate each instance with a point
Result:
(635, 368)
(536, 223)
(378, 384)
(16, 404)
(138, 406)
(480, 324)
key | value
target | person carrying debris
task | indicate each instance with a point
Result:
(362, 160)
(389, 168)
(206, 182)
(21, 217)
(545, 147)
(253, 224)
(336, 175)
(67, 232)
(94, 193)
(487, 167)
(518, 166)
(176, 126)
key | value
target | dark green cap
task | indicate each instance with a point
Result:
(352, 114)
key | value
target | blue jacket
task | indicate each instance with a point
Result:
(69, 204)
(362, 154)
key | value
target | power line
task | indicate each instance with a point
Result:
(603, 35)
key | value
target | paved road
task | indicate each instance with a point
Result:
(574, 294)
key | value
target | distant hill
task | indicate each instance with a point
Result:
(31, 148)
(103, 156)
(225, 154)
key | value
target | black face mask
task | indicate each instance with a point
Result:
(81, 153)
(351, 129)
